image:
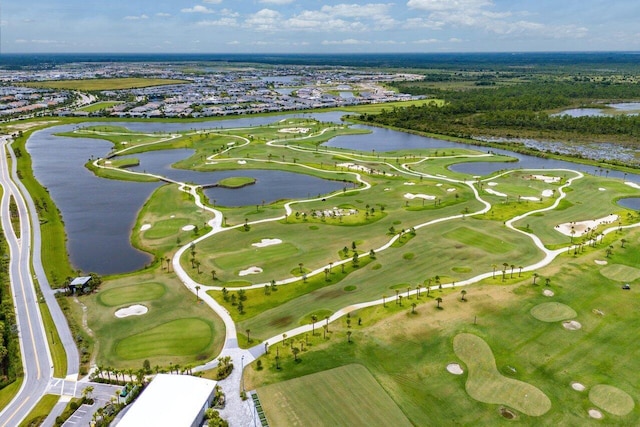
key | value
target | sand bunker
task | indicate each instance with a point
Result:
(533, 199)
(572, 325)
(547, 193)
(242, 162)
(294, 130)
(439, 184)
(250, 270)
(495, 193)
(189, 227)
(492, 184)
(354, 167)
(548, 293)
(578, 386)
(633, 184)
(601, 262)
(411, 196)
(409, 183)
(145, 227)
(134, 310)
(454, 369)
(602, 189)
(266, 242)
(581, 227)
(594, 413)
(450, 190)
(546, 179)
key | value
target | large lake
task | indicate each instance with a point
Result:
(99, 214)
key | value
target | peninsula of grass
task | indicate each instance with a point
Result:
(58, 354)
(98, 106)
(236, 182)
(91, 85)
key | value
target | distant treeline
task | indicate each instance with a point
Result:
(517, 107)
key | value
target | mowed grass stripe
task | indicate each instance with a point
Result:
(470, 237)
(486, 384)
(130, 294)
(103, 84)
(348, 396)
(183, 337)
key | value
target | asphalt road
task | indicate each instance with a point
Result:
(36, 359)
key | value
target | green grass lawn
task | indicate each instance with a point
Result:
(362, 400)
(131, 294)
(99, 106)
(236, 182)
(40, 411)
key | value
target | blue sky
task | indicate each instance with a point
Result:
(311, 26)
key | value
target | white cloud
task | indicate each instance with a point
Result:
(278, 2)
(442, 5)
(163, 15)
(427, 41)
(222, 22)
(135, 18)
(265, 20)
(212, 1)
(197, 9)
(233, 43)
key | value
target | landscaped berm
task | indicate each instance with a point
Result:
(486, 384)
(310, 400)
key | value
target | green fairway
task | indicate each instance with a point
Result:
(183, 337)
(130, 294)
(486, 384)
(99, 106)
(348, 395)
(236, 182)
(611, 399)
(103, 84)
(478, 239)
(553, 312)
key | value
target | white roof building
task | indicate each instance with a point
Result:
(171, 400)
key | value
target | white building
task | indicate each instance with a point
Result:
(171, 400)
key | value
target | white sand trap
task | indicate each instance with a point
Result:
(602, 189)
(107, 162)
(354, 167)
(266, 242)
(572, 325)
(547, 193)
(231, 144)
(242, 162)
(633, 184)
(595, 414)
(189, 227)
(582, 226)
(145, 227)
(548, 293)
(601, 262)
(450, 190)
(546, 179)
(250, 270)
(492, 184)
(578, 386)
(411, 196)
(533, 199)
(387, 189)
(134, 310)
(409, 183)
(495, 193)
(454, 369)
(439, 184)
(294, 130)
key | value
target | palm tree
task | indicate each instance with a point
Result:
(349, 337)
(494, 267)
(438, 300)
(384, 304)
(87, 392)
(248, 331)
(295, 351)
(622, 242)
(397, 296)
(197, 291)
(512, 267)
(326, 274)
(520, 271)
(197, 263)
(400, 300)
(314, 318)
(284, 339)
(300, 265)
(325, 328)
(609, 251)
(413, 308)
(213, 275)
(535, 276)
(547, 281)
(504, 271)
(463, 293)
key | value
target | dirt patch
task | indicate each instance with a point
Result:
(336, 293)
(281, 321)
(572, 325)
(508, 414)
(598, 312)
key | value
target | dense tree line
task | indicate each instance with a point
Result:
(520, 107)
